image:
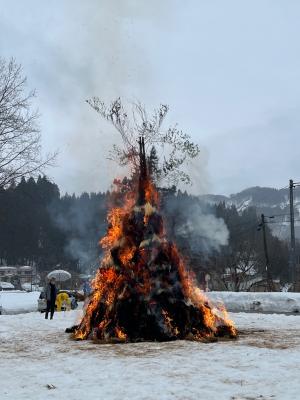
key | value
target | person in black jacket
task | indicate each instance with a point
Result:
(51, 293)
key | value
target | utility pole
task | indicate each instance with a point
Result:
(31, 271)
(292, 263)
(263, 226)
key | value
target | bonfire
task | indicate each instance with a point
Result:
(143, 290)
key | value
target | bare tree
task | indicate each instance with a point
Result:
(240, 268)
(176, 146)
(20, 138)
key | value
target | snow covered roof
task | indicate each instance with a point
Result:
(7, 268)
(25, 268)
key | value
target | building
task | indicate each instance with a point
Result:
(18, 275)
(7, 272)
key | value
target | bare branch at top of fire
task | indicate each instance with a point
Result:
(175, 145)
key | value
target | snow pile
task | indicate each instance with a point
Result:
(273, 302)
(17, 302)
(6, 285)
(27, 286)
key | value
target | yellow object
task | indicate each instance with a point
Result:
(63, 301)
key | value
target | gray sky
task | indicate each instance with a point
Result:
(228, 69)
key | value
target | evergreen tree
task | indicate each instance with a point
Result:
(153, 165)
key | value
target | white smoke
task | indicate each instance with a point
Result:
(206, 232)
(196, 223)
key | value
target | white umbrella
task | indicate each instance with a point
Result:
(60, 275)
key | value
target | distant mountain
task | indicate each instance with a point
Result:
(269, 201)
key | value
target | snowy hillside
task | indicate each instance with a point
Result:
(269, 201)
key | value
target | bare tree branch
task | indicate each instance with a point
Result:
(175, 146)
(20, 139)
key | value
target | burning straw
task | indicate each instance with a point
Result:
(142, 290)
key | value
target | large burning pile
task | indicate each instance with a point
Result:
(142, 290)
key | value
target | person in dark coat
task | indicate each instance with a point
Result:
(51, 293)
(86, 289)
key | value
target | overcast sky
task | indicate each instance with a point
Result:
(229, 70)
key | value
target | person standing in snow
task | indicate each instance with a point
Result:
(86, 289)
(51, 293)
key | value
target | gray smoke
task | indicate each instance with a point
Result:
(79, 221)
(206, 231)
(77, 249)
(96, 51)
(195, 224)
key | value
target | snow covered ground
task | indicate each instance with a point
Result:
(262, 364)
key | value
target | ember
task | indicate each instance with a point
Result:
(142, 290)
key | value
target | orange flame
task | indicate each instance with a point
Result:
(110, 282)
